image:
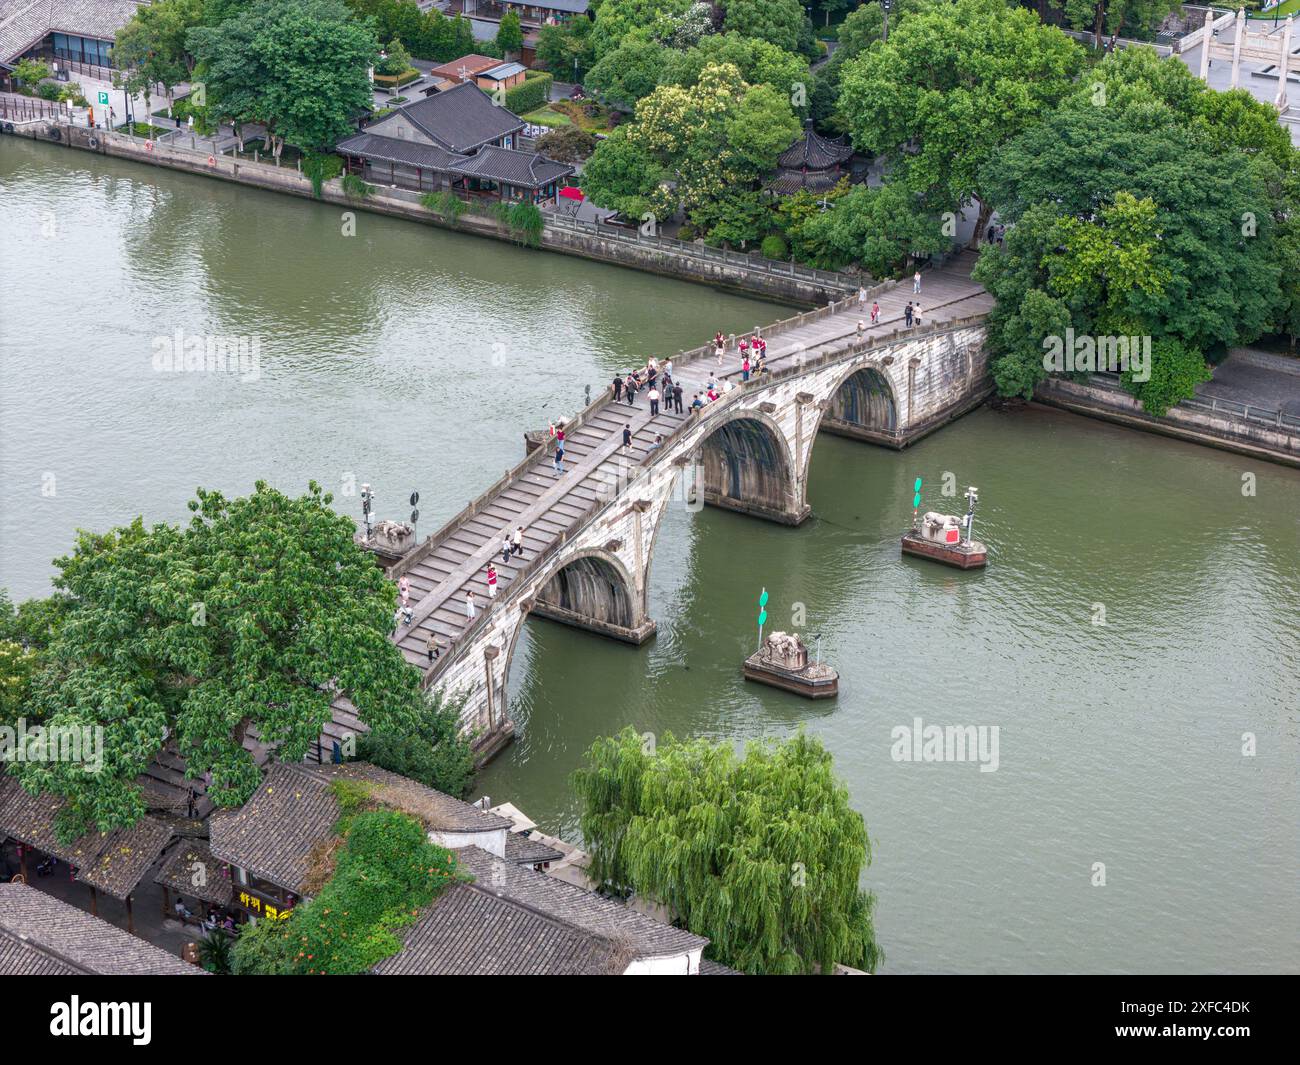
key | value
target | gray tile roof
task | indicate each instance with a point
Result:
(461, 118)
(272, 834)
(527, 851)
(814, 151)
(529, 170)
(41, 935)
(294, 808)
(392, 150)
(114, 862)
(24, 23)
(713, 968)
(646, 938)
(179, 873)
(468, 931)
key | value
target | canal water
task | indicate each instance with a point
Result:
(1137, 628)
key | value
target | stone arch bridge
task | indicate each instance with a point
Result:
(589, 533)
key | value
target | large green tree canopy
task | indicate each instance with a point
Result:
(700, 149)
(1147, 203)
(300, 66)
(952, 84)
(255, 615)
(762, 854)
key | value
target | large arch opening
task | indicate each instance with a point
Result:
(745, 466)
(864, 407)
(594, 592)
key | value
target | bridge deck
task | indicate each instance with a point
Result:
(550, 506)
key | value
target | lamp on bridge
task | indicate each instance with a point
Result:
(367, 502)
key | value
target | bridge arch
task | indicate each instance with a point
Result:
(745, 464)
(863, 404)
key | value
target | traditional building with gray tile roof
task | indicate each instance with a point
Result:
(44, 936)
(469, 931)
(68, 29)
(457, 141)
(651, 946)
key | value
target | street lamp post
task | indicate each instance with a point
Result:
(972, 497)
(367, 502)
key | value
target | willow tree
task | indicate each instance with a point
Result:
(761, 854)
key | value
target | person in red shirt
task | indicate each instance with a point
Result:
(492, 581)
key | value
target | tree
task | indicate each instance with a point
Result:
(299, 66)
(568, 144)
(865, 24)
(953, 84)
(150, 49)
(566, 50)
(510, 36)
(1111, 16)
(31, 72)
(881, 228)
(396, 59)
(436, 752)
(617, 19)
(626, 74)
(254, 616)
(700, 149)
(777, 21)
(762, 854)
(759, 63)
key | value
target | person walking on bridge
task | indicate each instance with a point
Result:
(916, 282)
(505, 547)
(875, 313)
(618, 387)
(677, 397)
(432, 648)
(517, 547)
(629, 389)
(907, 314)
(862, 298)
(653, 395)
(916, 314)
(627, 438)
(491, 581)
(469, 606)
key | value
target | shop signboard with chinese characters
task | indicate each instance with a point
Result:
(256, 904)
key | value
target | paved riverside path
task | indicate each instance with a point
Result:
(553, 506)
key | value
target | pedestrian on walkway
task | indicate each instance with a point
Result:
(432, 649)
(875, 313)
(517, 545)
(627, 438)
(408, 615)
(618, 387)
(557, 431)
(744, 368)
(668, 370)
(492, 581)
(629, 389)
(677, 398)
(916, 314)
(404, 589)
(861, 326)
(469, 606)
(862, 299)
(916, 281)
(505, 547)
(653, 394)
(907, 314)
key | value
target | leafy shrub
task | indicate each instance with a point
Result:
(775, 247)
(320, 169)
(215, 951)
(385, 872)
(436, 753)
(48, 90)
(355, 188)
(568, 144)
(445, 203)
(529, 94)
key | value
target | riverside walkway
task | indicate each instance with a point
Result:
(555, 509)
